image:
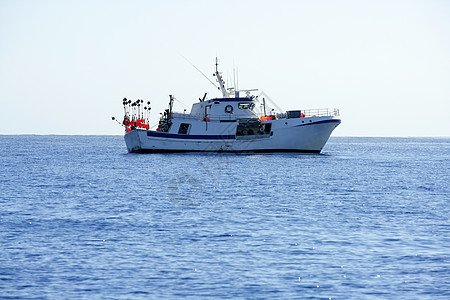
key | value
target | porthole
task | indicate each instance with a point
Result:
(229, 109)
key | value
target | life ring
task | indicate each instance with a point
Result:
(229, 109)
(206, 119)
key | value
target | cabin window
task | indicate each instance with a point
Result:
(207, 109)
(244, 105)
(184, 128)
(293, 114)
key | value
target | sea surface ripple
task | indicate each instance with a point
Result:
(82, 219)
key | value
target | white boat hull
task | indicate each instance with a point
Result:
(287, 135)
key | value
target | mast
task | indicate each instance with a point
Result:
(264, 105)
(220, 80)
(170, 106)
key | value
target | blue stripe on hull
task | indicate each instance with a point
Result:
(190, 137)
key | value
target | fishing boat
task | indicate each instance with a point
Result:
(239, 121)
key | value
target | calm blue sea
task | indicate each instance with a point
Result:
(80, 218)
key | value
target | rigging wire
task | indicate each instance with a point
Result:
(263, 94)
(199, 70)
(184, 105)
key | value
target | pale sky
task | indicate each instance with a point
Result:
(65, 66)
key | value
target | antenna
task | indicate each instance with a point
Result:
(234, 79)
(237, 79)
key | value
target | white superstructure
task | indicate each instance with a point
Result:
(229, 124)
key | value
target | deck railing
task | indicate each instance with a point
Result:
(307, 113)
(321, 112)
